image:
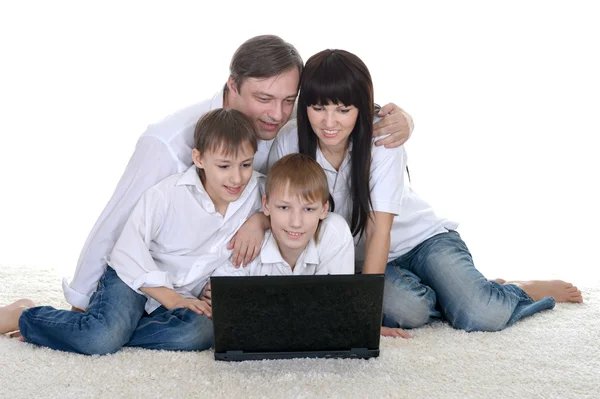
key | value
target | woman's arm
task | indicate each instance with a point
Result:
(377, 235)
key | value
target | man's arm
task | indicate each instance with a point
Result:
(395, 122)
(151, 162)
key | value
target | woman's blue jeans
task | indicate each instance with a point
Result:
(437, 279)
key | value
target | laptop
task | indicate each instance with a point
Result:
(283, 317)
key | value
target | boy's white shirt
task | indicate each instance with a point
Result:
(163, 150)
(332, 253)
(414, 220)
(175, 238)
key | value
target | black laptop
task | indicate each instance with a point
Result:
(282, 317)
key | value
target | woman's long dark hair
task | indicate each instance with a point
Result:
(340, 77)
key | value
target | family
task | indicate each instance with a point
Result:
(236, 185)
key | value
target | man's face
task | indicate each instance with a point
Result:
(267, 102)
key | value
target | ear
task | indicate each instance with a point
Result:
(265, 206)
(233, 86)
(197, 158)
(325, 210)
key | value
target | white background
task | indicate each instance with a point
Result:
(505, 97)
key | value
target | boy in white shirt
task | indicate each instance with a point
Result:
(304, 238)
(174, 239)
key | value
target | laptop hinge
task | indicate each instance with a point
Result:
(360, 352)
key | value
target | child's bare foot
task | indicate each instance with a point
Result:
(9, 315)
(560, 290)
(394, 332)
(15, 334)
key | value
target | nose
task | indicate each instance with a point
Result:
(328, 120)
(236, 176)
(276, 111)
(296, 219)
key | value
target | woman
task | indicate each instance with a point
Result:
(429, 270)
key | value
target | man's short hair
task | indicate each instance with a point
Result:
(264, 56)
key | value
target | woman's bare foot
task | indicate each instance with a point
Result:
(9, 315)
(560, 290)
(499, 280)
(394, 332)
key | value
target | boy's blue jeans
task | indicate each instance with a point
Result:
(115, 318)
(438, 279)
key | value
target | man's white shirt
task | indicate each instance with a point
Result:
(414, 220)
(163, 150)
(331, 253)
(175, 238)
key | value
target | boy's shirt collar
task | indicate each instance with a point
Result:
(270, 253)
(190, 178)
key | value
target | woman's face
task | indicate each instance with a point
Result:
(332, 123)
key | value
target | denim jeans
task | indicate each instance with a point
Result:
(115, 318)
(437, 279)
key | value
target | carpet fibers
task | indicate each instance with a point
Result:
(554, 354)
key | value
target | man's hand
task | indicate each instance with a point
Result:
(206, 294)
(394, 332)
(196, 305)
(397, 123)
(247, 241)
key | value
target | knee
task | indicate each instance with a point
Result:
(85, 334)
(408, 308)
(103, 343)
(479, 317)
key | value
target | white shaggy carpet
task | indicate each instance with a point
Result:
(554, 354)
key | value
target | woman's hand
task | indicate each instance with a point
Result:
(394, 332)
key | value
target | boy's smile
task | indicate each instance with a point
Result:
(225, 175)
(294, 221)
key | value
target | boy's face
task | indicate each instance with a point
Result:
(226, 176)
(294, 220)
(267, 102)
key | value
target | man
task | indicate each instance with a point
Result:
(263, 84)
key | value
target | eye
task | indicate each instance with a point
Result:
(247, 165)
(317, 108)
(223, 166)
(283, 207)
(344, 111)
(308, 209)
(290, 101)
(263, 99)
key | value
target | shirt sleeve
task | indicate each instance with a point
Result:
(151, 162)
(336, 247)
(285, 143)
(131, 257)
(387, 179)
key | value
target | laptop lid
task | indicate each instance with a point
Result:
(262, 317)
